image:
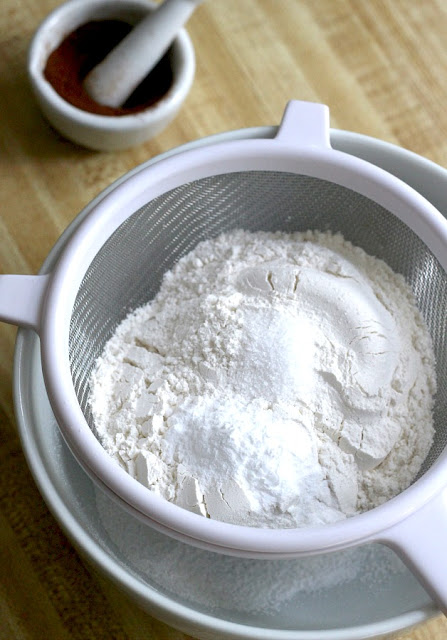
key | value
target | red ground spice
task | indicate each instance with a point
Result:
(83, 49)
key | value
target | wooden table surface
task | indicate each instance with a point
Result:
(381, 66)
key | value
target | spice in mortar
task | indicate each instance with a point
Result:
(84, 48)
(276, 380)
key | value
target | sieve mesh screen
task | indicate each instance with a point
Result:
(128, 269)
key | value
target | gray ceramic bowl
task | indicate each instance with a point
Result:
(351, 595)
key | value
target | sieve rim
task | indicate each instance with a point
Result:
(55, 329)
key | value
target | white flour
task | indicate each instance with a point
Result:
(275, 380)
(291, 588)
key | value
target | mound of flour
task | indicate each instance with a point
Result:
(275, 380)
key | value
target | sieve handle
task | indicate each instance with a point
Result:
(21, 299)
(420, 541)
(305, 125)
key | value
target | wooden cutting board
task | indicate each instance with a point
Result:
(381, 66)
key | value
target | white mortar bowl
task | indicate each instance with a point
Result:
(99, 132)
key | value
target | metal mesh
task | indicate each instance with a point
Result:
(127, 271)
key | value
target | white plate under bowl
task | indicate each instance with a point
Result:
(351, 595)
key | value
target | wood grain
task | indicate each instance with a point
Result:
(381, 65)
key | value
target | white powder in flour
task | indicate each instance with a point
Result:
(275, 380)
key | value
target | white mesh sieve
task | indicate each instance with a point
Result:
(127, 271)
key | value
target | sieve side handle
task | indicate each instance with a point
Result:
(305, 125)
(21, 299)
(420, 541)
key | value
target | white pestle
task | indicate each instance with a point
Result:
(114, 79)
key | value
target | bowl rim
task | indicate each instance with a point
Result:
(165, 607)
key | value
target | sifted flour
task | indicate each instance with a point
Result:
(287, 589)
(275, 380)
